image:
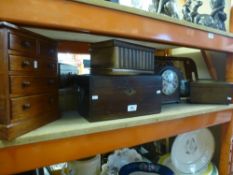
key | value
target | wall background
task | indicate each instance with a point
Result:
(219, 61)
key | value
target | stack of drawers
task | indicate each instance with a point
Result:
(28, 81)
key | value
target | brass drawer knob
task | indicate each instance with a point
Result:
(26, 44)
(26, 106)
(26, 83)
(26, 63)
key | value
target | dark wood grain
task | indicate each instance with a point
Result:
(116, 94)
(25, 125)
(33, 106)
(4, 85)
(20, 86)
(29, 89)
(21, 64)
(126, 57)
(211, 92)
(48, 49)
(22, 43)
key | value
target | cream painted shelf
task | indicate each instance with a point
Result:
(72, 124)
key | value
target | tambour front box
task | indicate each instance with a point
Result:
(116, 57)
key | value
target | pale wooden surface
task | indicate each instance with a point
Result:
(71, 124)
(119, 7)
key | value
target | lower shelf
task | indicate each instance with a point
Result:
(73, 137)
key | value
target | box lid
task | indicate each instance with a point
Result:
(119, 81)
(210, 83)
(119, 43)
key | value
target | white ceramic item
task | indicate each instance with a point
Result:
(85, 167)
(192, 151)
(211, 169)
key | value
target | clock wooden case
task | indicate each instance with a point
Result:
(186, 65)
(186, 70)
(111, 97)
(29, 83)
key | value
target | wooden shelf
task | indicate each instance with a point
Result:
(72, 137)
(81, 17)
(72, 124)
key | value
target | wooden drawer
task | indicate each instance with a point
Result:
(31, 85)
(33, 106)
(48, 49)
(27, 64)
(22, 43)
(49, 67)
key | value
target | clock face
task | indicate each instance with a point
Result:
(170, 82)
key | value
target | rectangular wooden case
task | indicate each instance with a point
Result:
(115, 57)
(111, 97)
(29, 81)
(211, 92)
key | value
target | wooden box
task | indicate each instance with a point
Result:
(211, 92)
(29, 81)
(115, 57)
(111, 97)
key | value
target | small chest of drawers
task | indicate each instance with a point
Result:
(28, 81)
